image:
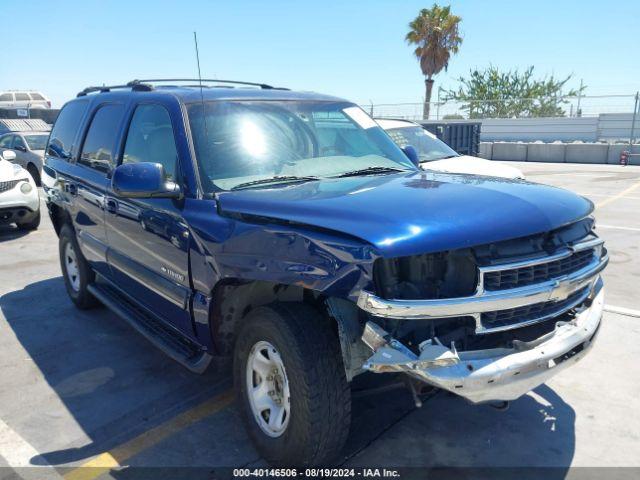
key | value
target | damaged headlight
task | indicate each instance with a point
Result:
(427, 276)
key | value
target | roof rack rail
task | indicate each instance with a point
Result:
(107, 88)
(263, 86)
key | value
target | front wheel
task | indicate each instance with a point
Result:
(290, 380)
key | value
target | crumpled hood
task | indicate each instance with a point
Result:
(416, 212)
(473, 165)
(11, 171)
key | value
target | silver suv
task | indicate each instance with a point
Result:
(23, 99)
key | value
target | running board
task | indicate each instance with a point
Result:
(172, 343)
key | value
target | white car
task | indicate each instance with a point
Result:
(19, 200)
(434, 154)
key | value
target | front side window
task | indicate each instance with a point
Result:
(150, 139)
(22, 97)
(65, 129)
(6, 97)
(428, 148)
(99, 144)
(18, 144)
(245, 141)
(36, 142)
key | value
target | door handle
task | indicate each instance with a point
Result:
(111, 205)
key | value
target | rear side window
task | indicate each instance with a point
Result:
(150, 139)
(22, 96)
(65, 129)
(97, 151)
(36, 96)
(6, 97)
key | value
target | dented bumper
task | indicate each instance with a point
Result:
(493, 374)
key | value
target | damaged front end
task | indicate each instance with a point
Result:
(529, 317)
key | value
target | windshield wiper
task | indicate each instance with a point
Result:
(370, 171)
(276, 179)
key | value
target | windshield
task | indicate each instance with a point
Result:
(36, 142)
(428, 148)
(244, 142)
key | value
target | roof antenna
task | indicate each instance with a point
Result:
(195, 40)
(204, 118)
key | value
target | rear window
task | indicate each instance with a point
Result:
(22, 96)
(36, 96)
(65, 129)
(6, 97)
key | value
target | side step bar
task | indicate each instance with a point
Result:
(172, 343)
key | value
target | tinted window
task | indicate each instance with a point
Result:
(6, 97)
(36, 96)
(5, 142)
(97, 151)
(150, 139)
(65, 129)
(22, 96)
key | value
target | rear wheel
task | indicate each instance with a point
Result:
(291, 383)
(76, 272)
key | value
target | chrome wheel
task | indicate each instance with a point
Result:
(71, 267)
(268, 389)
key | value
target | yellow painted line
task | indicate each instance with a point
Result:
(618, 196)
(114, 458)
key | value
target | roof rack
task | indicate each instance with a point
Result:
(145, 85)
(263, 86)
(108, 88)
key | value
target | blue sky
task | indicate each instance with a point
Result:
(353, 49)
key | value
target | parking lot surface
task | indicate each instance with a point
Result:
(83, 389)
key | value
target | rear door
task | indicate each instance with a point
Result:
(88, 180)
(148, 238)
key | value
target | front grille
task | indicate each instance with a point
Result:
(535, 312)
(5, 186)
(529, 275)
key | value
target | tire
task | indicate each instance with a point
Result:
(31, 225)
(33, 171)
(320, 397)
(76, 280)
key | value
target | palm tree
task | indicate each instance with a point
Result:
(435, 32)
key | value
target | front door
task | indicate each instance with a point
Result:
(148, 238)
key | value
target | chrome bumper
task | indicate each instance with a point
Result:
(494, 374)
(483, 300)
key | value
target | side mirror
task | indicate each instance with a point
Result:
(412, 154)
(143, 180)
(9, 155)
(20, 148)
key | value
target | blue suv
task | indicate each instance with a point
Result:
(287, 233)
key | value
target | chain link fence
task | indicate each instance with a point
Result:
(556, 107)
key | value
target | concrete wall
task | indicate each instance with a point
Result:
(558, 152)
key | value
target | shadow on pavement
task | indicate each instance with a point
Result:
(115, 386)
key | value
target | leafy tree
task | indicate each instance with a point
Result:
(435, 33)
(494, 94)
